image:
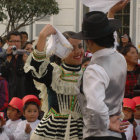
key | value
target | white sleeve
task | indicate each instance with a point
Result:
(20, 133)
(95, 82)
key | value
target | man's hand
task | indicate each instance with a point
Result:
(117, 7)
(28, 128)
(116, 125)
(9, 52)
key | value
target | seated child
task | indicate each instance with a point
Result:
(31, 112)
(14, 113)
(3, 135)
(137, 108)
(137, 116)
(128, 110)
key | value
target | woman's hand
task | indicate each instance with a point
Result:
(45, 32)
(117, 7)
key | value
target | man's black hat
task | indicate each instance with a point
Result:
(96, 25)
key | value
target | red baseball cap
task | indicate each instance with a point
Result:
(137, 100)
(16, 103)
(31, 98)
(129, 103)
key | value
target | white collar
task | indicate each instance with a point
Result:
(102, 52)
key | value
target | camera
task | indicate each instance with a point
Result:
(18, 51)
(14, 47)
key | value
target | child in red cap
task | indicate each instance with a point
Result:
(14, 113)
(137, 116)
(137, 108)
(31, 107)
(128, 110)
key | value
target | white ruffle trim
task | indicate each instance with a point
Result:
(42, 68)
(43, 95)
(64, 87)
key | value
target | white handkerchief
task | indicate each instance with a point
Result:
(99, 5)
(58, 45)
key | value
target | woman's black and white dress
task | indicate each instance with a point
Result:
(62, 119)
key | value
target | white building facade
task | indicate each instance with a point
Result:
(135, 22)
(70, 19)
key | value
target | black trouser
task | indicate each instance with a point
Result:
(106, 138)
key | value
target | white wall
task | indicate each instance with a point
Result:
(64, 21)
(67, 19)
(138, 24)
(135, 23)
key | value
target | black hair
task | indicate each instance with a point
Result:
(56, 59)
(1, 40)
(129, 39)
(68, 34)
(85, 59)
(16, 33)
(28, 42)
(30, 103)
(107, 41)
(127, 48)
(131, 120)
(24, 33)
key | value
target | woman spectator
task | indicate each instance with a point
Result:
(133, 69)
(29, 87)
(124, 41)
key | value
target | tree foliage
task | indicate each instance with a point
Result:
(19, 13)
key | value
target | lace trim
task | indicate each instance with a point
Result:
(42, 68)
(43, 95)
(38, 57)
(66, 87)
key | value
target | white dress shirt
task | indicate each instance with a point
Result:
(10, 127)
(3, 136)
(20, 133)
(137, 121)
(137, 132)
(129, 132)
(95, 111)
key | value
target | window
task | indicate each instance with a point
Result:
(124, 16)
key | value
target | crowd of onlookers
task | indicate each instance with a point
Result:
(19, 96)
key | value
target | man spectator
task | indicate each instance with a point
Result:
(12, 67)
(24, 36)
